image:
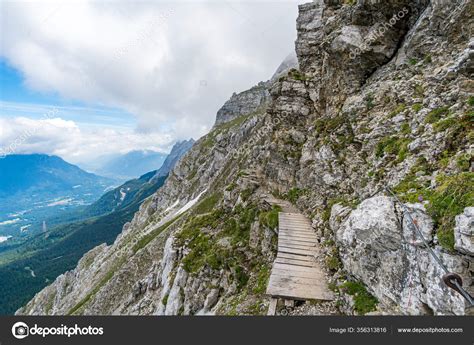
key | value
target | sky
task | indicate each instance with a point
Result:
(83, 79)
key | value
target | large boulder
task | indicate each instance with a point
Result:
(380, 248)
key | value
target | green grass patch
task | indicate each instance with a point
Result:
(419, 91)
(450, 198)
(463, 162)
(165, 299)
(326, 126)
(297, 75)
(192, 174)
(470, 101)
(417, 107)
(445, 124)
(208, 204)
(231, 187)
(405, 129)
(398, 109)
(460, 131)
(262, 280)
(393, 145)
(364, 302)
(411, 188)
(437, 114)
(333, 262)
(294, 194)
(246, 194)
(270, 218)
(369, 101)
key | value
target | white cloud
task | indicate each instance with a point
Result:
(170, 64)
(66, 139)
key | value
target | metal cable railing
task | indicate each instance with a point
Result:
(452, 280)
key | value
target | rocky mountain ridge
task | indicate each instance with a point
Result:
(383, 96)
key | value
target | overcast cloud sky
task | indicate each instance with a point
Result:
(126, 75)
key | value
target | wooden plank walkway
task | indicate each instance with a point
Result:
(296, 275)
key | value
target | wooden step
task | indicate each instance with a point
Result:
(296, 262)
(296, 257)
(294, 250)
(297, 236)
(289, 267)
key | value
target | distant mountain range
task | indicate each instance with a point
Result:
(74, 233)
(178, 150)
(131, 164)
(39, 173)
(37, 186)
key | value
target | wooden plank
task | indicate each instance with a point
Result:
(298, 236)
(296, 224)
(286, 235)
(294, 273)
(294, 250)
(290, 226)
(296, 246)
(294, 281)
(301, 250)
(294, 220)
(308, 237)
(301, 240)
(296, 257)
(286, 267)
(272, 307)
(286, 247)
(292, 214)
(296, 227)
(298, 240)
(296, 262)
(300, 293)
(296, 231)
(290, 233)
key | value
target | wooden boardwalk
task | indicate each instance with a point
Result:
(296, 275)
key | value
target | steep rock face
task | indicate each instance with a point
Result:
(243, 103)
(343, 45)
(331, 136)
(378, 246)
(256, 98)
